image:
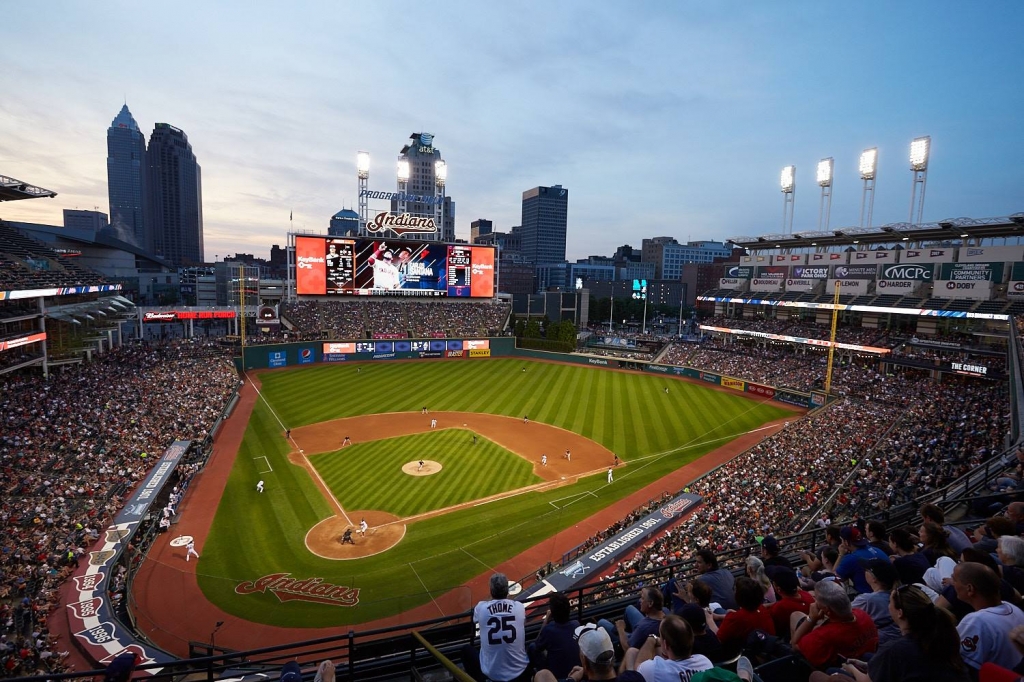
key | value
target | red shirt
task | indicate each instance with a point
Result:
(737, 625)
(824, 644)
(781, 610)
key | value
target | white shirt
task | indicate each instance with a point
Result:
(984, 636)
(502, 638)
(660, 669)
(385, 275)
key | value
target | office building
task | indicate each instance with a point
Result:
(92, 221)
(545, 215)
(126, 181)
(427, 186)
(669, 257)
(344, 223)
(175, 197)
(479, 227)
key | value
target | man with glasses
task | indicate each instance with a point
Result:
(642, 622)
(833, 628)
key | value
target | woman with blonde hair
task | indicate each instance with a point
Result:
(755, 570)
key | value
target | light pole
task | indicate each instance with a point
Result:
(868, 171)
(363, 175)
(788, 183)
(402, 171)
(824, 176)
(920, 149)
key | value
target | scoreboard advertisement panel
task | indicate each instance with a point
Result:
(335, 266)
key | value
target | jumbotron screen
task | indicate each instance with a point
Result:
(339, 266)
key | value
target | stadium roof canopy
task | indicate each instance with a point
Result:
(108, 306)
(12, 189)
(893, 233)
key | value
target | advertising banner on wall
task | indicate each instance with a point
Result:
(801, 284)
(922, 272)
(897, 286)
(854, 271)
(972, 272)
(975, 290)
(762, 284)
(740, 272)
(779, 272)
(849, 286)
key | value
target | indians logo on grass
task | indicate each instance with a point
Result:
(316, 590)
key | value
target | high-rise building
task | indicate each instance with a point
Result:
(478, 227)
(126, 180)
(425, 174)
(670, 258)
(175, 197)
(545, 214)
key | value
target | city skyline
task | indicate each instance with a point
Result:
(675, 120)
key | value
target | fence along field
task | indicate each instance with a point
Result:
(255, 535)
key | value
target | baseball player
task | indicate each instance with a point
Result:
(433, 423)
(385, 272)
(526, 419)
(259, 487)
(568, 455)
(347, 441)
(666, 390)
(616, 461)
(191, 547)
(543, 460)
(362, 527)
(420, 467)
(610, 477)
(346, 538)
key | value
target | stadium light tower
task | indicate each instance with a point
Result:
(868, 171)
(363, 174)
(403, 184)
(788, 182)
(440, 178)
(920, 150)
(824, 176)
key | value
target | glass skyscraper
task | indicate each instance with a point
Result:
(126, 180)
(545, 216)
(175, 197)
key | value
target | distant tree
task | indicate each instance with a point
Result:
(532, 330)
(520, 328)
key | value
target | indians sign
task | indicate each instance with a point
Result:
(286, 588)
(400, 224)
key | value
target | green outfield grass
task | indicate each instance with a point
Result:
(369, 475)
(255, 535)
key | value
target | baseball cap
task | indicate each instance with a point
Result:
(694, 615)
(595, 643)
(852, 535)
(291, 672)
(770, 544)
(784, 577)
(883, 570)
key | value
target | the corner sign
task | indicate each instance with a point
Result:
(285, 588)
(401, 224)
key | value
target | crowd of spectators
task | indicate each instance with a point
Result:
(71, 447)
(382, 318)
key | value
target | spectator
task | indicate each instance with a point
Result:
(755, 571)
(597, 659)
(875, 531)
(502, 655)
(668, 656)
(908, 562)
(705, 642)
(1011, 555)
(751, 615)
(854, 553)
(641, 622)
(832, 628)
(935, 539)
(985, 633)
(791, 599)
(957, 539)
(986, 537)
(720, 579)
(927, 651)
(770, 554)
(556, 648)
(882, 577)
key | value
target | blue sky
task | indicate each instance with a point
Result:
(662, 118)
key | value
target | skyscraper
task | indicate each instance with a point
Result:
(545, 213)
(175, 197)
(423, 180)
(126, 180)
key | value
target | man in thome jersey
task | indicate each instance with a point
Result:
(502, 621)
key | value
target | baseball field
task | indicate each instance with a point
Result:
(480, 495)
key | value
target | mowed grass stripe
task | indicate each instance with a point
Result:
(370, 476)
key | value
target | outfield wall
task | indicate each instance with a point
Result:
(333, 352)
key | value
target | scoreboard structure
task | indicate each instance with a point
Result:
(343, 266)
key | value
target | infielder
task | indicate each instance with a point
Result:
(433, 423)
(362, 527)
(259, 487)
(347, 441)
(191, 546)
(610, 477)
(568, 455)
(543, 460)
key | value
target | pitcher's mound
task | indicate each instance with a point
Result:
(414, 469)
(384, 532)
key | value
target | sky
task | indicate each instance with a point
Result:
(661, 118)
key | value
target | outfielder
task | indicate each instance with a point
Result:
(191, 547)
(610, 477)
(259, 487)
